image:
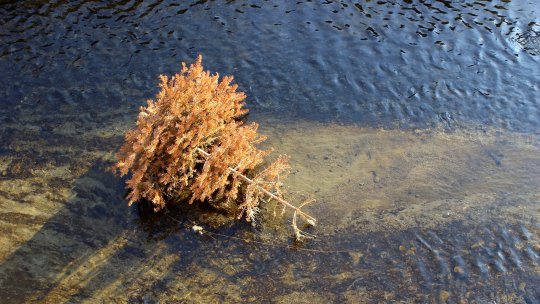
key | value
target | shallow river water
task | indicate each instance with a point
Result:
(414, 124)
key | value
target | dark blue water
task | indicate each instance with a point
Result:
(383, 63)
(461, 221)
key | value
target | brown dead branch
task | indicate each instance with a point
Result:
(191, 138)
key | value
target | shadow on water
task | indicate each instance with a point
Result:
(94, 247)
(94, 240)
(404, 216)
(94, 219)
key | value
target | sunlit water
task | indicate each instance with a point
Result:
(414, 125)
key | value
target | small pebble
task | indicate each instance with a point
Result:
(444, 295)
(459, 270)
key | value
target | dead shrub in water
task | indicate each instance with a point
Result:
(191, 139)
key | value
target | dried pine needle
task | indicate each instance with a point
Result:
(191, 137)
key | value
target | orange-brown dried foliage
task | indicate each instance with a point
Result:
(191, 138)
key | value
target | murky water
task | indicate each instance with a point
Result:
(414, 123)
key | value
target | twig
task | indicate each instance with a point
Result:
(308, 218)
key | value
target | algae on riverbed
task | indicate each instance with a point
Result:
(400, 210)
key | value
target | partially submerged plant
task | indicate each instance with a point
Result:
(191, 139)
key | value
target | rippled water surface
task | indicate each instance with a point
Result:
(414, 123)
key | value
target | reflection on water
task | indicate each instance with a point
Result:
(371, 62)
(444, 213)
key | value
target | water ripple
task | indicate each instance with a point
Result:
(411, 63)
